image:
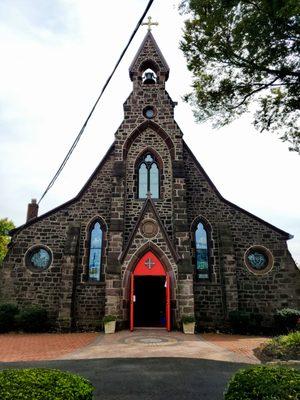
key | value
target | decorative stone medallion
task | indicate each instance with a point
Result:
(258, 259)
(38, 258)
(150, 340)
(149, 228)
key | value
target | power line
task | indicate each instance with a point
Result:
(61, 167)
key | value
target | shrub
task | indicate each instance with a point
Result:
(109, 318)
(43, 384)
(33, 319)
(285, 347)
(187, 319)
(245, 322)
(7, 316)
(286, 319)
(264, 383)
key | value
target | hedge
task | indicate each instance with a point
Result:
(33, 319)
(43, 384)
(264, 383)
(286, 320)
(8, 313)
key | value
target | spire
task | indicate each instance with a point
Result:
(150, 57)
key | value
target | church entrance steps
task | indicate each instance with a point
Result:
(148, 343)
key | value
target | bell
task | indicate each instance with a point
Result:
(149, 78)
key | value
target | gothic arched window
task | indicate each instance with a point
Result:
(148, 177)
(95, 252)
(201, 252)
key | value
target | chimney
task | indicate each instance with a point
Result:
(32, 210)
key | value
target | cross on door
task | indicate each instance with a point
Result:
(149, 263)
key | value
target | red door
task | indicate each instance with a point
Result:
(149, 265)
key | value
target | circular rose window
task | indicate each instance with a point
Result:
(259, 259)
(38, 258)
(149, 112)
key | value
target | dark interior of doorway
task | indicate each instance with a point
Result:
(150, 301)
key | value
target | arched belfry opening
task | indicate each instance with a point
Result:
(149, 66)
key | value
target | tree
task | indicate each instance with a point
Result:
(243, 52)
(5, 226)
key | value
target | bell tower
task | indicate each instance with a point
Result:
(149, 66)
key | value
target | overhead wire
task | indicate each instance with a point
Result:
(61, 167)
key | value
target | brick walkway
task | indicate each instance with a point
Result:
(42, 346)
(140, 344)
(243, 345)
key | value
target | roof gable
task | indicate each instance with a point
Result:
(149, 51)
(149, 206)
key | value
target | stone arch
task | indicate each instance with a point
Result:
(134, 260)
(156, 128)
(151, 64)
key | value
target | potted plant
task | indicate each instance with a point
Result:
(188, 323)
(109, 323)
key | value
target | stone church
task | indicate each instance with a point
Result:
(149, 238)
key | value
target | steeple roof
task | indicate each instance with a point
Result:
(149, 53)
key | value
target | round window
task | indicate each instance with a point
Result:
(149, 112)
(259, 259)
(38, 258)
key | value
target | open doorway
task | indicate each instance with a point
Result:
(150, 301)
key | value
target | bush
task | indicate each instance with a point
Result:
(7, 317)
(264, 383)
(286, 320)
(33, 319)
(285, 347)
(43, 384)
(187, 319)
(245, 322)
(109, 318)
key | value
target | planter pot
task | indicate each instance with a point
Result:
(189, 328)
(110, 327)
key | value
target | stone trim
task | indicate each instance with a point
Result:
(141, 128)
(150, 202)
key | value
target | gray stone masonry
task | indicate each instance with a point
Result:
(110, 196)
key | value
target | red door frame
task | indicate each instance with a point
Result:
(150, 265)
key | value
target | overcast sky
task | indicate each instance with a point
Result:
(56, 56)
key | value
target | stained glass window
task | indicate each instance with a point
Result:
(201, 252)
(95, 257)
(38, 258)
(257, 259)
(148, 174)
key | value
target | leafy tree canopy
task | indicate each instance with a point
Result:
(5, 226)
(245, 51)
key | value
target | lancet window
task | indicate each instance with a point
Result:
(148, 177)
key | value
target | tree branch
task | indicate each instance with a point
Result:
(265, 86)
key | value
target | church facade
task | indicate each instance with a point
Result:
(149, 238)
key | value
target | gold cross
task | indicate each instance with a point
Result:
(149, 23)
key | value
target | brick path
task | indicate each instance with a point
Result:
(243, 345)
(51, 346)
(41, 346)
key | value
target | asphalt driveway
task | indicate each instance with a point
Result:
(148, 379)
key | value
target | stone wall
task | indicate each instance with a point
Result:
(232, 284)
